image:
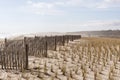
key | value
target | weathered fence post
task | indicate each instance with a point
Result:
(63, 40)
(18, 64)
(55, 43)
(16, 60)
(2, 59)
(13, 60)
(46, 46)
(67, 36)
(72, 37)
(5, 42)
(4, 64)
(26, 52)
(3, 54)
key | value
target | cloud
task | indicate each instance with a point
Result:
(51, 7)
(29, 2)
(57, 7)
(43, 8)
(74, 2)
(94, 3)
(109, 4)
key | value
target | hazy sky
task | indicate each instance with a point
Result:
(28, 16)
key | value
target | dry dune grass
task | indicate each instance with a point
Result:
(84, 59)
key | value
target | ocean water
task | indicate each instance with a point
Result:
(5, 35)
(12, 35)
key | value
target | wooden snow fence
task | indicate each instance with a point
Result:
(14, 53)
